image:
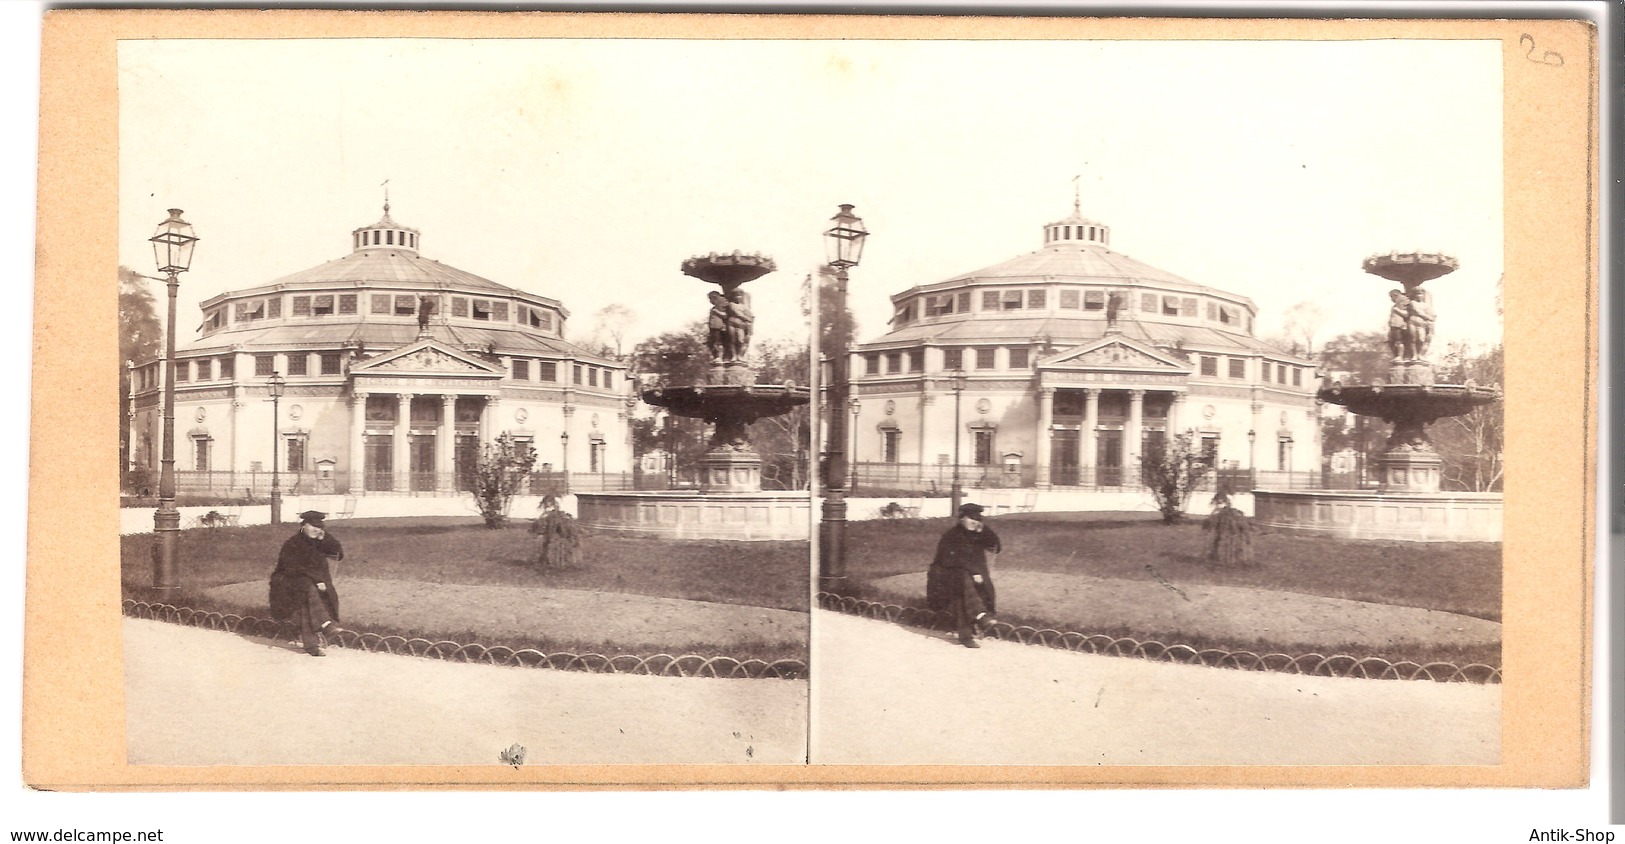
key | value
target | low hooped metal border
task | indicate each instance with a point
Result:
(1316, 665)
(658, 665)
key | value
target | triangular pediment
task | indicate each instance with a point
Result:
(1115, 352)
(427, 357)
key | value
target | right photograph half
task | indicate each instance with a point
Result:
(1169, 430)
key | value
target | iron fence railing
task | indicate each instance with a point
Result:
(661, 665)
(1317, 665)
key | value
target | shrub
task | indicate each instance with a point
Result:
(1172, 470)
(497, 475)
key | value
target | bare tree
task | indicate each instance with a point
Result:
(610, 324)
(1302, 321)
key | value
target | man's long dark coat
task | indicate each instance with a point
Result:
(950, 589)
(301, 565)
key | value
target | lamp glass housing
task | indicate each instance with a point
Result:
(278, 385)
(172, 245)
(843, 241)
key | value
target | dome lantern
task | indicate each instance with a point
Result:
(385, 234)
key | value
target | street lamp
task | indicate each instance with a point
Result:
(956, 382)
(278, 386)
(844, 244)
(1252, 473)
(856, 406)
(172, 248)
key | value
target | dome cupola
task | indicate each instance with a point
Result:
(385, 234)
(1076, 229)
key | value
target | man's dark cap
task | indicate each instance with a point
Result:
(972, 510)
(312, 517)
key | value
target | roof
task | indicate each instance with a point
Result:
(386, 335)
(387, 266)
(1063, 331)
(1085, 261)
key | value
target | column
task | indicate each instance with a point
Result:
(234, 454)
(1091, 420)
(1176, 412)
(1131, 436)
(924, 460)
(490, 425)
(403, 433)
(445, 456)
(358, 443)
(1254, 432)
(1046, 418)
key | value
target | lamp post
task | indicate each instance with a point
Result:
(856, 406)
(844, 244)
(956, 382)
(1252, 472)
(278, 385)
(172, 248)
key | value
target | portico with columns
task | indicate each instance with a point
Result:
(416, 414)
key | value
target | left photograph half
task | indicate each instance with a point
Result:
(464, 413)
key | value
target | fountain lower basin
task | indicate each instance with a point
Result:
(676, 514)
(1407, 517)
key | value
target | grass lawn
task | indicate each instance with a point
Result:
(1462, 578)
(461, 551)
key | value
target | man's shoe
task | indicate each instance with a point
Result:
(970, 643)
(315, 650)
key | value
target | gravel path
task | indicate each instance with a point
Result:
(886, 694)
(1231, 613)
(623, 622)
(203, 697)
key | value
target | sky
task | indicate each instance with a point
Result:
(587, 170)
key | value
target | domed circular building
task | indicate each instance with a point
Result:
(1075, 359)
(398, 368)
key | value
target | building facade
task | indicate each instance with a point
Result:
(1073, 361)
(398, 369)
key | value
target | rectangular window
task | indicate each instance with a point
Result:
(1012, 300)
(1210, 366)
(939, 305)
(322, 305)
(301, 306)
(406, 305)
(205, 369)
(1213, 312)
(499, 311)
(298, 364)
(984, 358)
(183, 371)
(380, 303)
(916, 360)
(983, 451)
(1094, 300)
(264, 365)
(894, 362)
(575, 373)
(459, 306)
(275, 311)
(871, 363)
(1170, 305)
(296, 454)
(1019, 358)
(1036, 299)
(547, 370)
(1280, 373)
(962, 305)
(592, 376)
(905, 314)
(200, 453)
(347, 303)
(482, 309)
(228, 368)
(1227, 315)
(546, 320)
(217, 318)
(1238, 367)
(1148, 303)
(332, 363)
(953, 359)
(1069, 299)
(1264, 371)
(990, 300)
(521, 370)
(1187, 306)
(1297, 376)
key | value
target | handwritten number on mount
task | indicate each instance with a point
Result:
(1547, 57)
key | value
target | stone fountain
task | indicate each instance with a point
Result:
(1408, 502)
(730, 502)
